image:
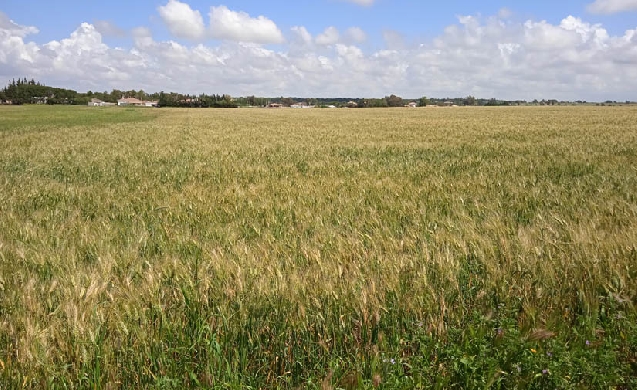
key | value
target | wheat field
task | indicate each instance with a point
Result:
(321, 249)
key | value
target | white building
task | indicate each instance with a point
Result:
(136, 102)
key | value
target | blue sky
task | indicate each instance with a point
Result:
(421, 45)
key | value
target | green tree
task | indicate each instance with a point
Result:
(377, 103)
(163, 100)
(469, 101)
(423, 101)
(394, 101)
(116, 94)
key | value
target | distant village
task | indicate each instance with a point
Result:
(24, 91)
(95, 102)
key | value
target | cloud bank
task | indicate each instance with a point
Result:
(482, 56)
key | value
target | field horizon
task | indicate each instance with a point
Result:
(464, 247)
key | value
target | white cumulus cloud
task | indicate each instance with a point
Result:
(612, 6)
(181, 20)
(301, 35)
(15, 29)
(328, 37)
(239, 26)
(355, 35)
(142, 37)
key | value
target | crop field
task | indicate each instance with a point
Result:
(318, 249)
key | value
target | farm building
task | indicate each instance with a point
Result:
(129, 102)
(301, 105)
(135, 102)
(99, 103)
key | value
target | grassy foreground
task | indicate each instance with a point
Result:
(320, 249)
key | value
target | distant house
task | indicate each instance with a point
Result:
(96, 103)
(99, 103)
(412, 105)
(352, 104)
(129, 102)
(447, 103)
(136, 102)
(301, 105)
(275, 105)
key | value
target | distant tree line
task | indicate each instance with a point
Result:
(387, 101)
(24, 91)
(191, 101)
